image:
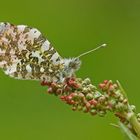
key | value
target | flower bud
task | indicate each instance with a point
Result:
(92, 87)
(79, 107)
(81, 95)
(112, 103)
(63, 98)
(67, 88)
(75, 96)
(50, 90)
(85, 110)
(97, 95)
(79, 80)
(138, 115)
(89, 96)
(138, 120)
(101, 99)
(73, 84)
(121, 107)
(70, 82)
(121, 98)
(102, 86)
(68, 98)
(74, 108)
(53, 85)
(102, 113)
(115, 86)
(133, 108)
(85, 90)
(105, 81)
(111, 88)
(93, 112)
(59, 91)
(45, 83)
(93, 102)
(117, 94)
(71, 102)
(125, 101)
(87, 81)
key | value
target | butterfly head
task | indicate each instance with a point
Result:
(71, 65)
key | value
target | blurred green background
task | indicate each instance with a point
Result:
(72, 26)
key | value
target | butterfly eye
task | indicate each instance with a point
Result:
(72, 65)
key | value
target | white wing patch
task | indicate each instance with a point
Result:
(45, 46)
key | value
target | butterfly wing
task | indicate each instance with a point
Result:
(26, 54)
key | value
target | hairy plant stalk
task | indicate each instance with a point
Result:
(134, 122)
(82, 95)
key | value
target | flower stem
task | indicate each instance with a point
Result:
(134, 122)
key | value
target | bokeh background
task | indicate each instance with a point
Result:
(72, 26)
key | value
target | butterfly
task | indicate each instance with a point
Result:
(26, 54)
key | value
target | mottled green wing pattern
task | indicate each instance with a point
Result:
(26, 54)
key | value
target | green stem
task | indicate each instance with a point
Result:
(134, 122)
(131, 117)
(122, 90)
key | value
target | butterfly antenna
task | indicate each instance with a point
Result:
(85, 53)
